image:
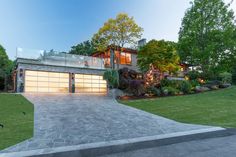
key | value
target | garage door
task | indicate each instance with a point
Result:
(85, 83)
(49, 82)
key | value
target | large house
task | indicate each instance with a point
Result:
(67, 73)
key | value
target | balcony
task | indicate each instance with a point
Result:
(59, 59)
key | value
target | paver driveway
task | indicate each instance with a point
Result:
(62, 120)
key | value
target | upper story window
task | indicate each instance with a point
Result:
(125, 58)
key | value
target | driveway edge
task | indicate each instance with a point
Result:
(110, 147)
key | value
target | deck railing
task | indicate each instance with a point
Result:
(61, 58)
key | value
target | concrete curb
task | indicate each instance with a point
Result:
(103, 148)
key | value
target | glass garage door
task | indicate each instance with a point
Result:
(85, 83)
(48, 82)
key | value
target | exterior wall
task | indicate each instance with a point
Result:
(133, 53)
(133, 65)
(38, 67)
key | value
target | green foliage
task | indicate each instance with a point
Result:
(85, 48)
(4, 61)
(165, 82)
(170, 91)
(6, 67)
(185, 87)
(160, 54)
(117, 32)
(226, 77)
(112, 77)
(207, 75)
(193, 75)
(194, 83)
(180, 85)
(207, 36)
(234, 75)
(153, 90)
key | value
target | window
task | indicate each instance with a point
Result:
(125, 58)
(128, 58)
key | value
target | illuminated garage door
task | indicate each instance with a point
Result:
(85, 83)
(49, 82)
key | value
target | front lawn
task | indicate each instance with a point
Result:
(16, 116)
(216, 108)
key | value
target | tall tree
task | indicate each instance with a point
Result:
(117, 32)
(206, 37)
(161, 55)
(85, 48)
(3, 59)
(5, 68)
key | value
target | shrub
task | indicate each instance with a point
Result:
(180, 85)
(153, 90)
(207, 75)
(225, 77)
(125, 76)
(194, 83)
(136, 87)
(185, 87)
(169, 91)
(165, 83)
(123, 83)
(234, 75)
(193, 75)
(112, 77)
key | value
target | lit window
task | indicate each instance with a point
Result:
(122, 58)
(128, 58)
(125, 58)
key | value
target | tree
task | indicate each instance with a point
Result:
(3, 59)
(85, 48)
(117, 32)
(206, 37)
(6, 66)
(161, 55)
(234, 75)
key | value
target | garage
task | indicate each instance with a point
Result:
(46, 82)
(89, 83)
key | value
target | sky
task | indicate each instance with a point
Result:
(60, 24)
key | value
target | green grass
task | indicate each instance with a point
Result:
(216, 108)
(17, 126)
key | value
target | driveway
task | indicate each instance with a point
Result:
(64, 120)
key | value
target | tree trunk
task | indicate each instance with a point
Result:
(118, 61)
(112, 59)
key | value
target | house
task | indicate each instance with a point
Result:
(59, 73)
(67, 73)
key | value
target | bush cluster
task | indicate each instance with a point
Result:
(225, 77)
(153, 91)
(179, 85)
(170, 91)
(133, 83)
